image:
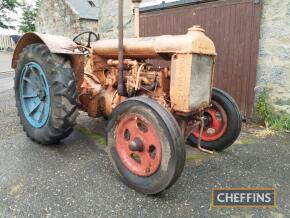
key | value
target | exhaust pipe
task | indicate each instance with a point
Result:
(122, 91)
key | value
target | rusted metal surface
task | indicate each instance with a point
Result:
(99, 78)
(191, 82)
(199, 146)
(185, 87)
(56, 44)
(121, 83)
(194, 41)
(234, 26)
(140, 78)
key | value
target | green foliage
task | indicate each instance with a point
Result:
(27, 23)
(92, 135)
(7, 7)
(270, 117)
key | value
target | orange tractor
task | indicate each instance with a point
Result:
(152, 111)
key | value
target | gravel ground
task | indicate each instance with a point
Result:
(5, 61)
(76, 178)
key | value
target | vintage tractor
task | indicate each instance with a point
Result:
(152, 111)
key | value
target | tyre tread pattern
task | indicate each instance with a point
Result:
(63, 92)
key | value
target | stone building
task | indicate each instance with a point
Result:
(273, 70)
(67, 17)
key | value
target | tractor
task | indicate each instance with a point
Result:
(152, 111)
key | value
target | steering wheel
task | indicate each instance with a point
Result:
(90, 35)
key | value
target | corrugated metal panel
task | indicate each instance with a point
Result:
(6, 42)
(234, 26)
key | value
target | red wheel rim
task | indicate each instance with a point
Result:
(217, 125)
(138, 145)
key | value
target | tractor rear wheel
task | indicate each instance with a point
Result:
(222, 123)
(145, 145)
(45, 92)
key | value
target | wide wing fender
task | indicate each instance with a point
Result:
(56, 44)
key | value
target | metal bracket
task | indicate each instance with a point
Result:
(199, 147)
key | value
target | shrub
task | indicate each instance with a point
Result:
(271, 118)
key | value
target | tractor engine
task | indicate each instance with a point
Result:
(99, 96)
(184, 87)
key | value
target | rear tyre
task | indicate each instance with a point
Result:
(223, 123)
(45, 92)
(145, 145)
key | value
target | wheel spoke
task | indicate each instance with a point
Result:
(36, 74)
(26, 79)
(38, 79)
(34, 109)
(41, 111)
(30, 96)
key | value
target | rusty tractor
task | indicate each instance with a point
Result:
(151, 110)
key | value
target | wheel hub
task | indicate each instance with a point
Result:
(41, 94)
(215, 123)
(138, 145)
(34, 94)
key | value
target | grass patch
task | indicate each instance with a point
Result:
(270, 117)
(92, 135)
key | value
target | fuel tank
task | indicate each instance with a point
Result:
(159, 47)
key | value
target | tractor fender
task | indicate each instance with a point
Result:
(56, 44)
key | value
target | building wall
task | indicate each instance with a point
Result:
(57, 18)
(274, 53)
(108, 22)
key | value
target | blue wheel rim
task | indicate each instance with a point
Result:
(34, 95)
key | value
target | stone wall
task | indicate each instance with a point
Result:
(108, 22)
(274, 54)
(57, 18)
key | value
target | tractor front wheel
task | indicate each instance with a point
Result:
(46, 94)
(222, 123)
(145, 145)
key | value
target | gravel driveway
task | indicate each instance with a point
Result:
(5, 61)
(76, 178)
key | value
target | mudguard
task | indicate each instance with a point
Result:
(56, 44)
